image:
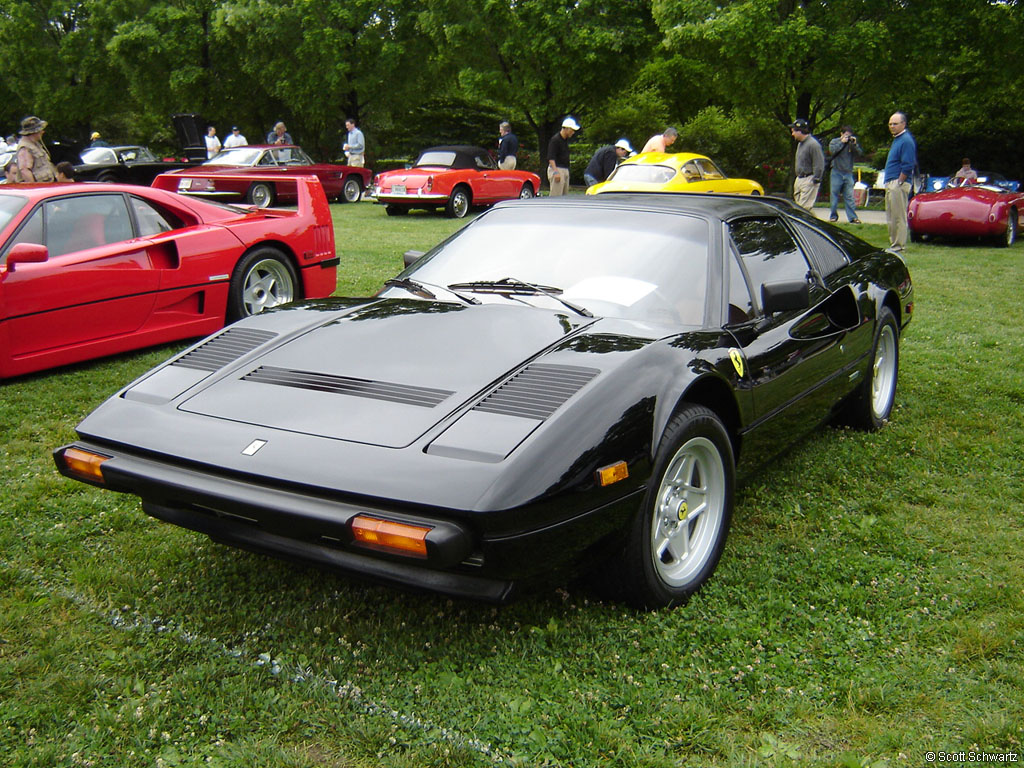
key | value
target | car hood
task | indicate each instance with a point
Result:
(383, 373)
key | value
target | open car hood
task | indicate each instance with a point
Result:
(383, 373)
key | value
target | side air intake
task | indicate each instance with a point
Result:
(224, 348)
(344, 385)
(537, 391)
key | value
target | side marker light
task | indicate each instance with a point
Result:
(613, 473)
(84, 464)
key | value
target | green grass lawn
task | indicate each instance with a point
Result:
(869, 607)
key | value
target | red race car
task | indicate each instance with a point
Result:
(88, 270)
(967, 210)
(231, 176)
(454, 178)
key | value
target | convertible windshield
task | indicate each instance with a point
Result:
(615, 263)
(649, 174)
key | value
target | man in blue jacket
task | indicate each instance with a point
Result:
(899, 171)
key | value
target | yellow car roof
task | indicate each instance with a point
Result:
(676, 159)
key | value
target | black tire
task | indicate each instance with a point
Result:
(459, 203)
(261, 194)
(677, 536)
(395, 210)
(754, 193)
(351, 190)
(872, 403)
(1009, 236)
(527, 192)
(263, 278)
(916, 237)
(107, 177)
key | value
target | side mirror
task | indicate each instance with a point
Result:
(26, 253)
(785, 297)
(411, 257)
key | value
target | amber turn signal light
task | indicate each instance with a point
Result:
(84, 464)
(389, 536)
(613, 473)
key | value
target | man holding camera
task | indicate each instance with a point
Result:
(844, 151)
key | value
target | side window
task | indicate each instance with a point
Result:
(152, 221)
(826, 255)
(86, 221)
(769, 252)
(741, 307)
(690, 172)
(31, 232)
(710, 170)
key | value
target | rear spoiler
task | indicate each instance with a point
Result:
(308, 189)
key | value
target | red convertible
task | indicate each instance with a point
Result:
(967, 210)
(90, 270)
(231, 176)
(454, 178)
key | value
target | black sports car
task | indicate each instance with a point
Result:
(126, 164)
(565, 381)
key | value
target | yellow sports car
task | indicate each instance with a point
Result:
(673, 172)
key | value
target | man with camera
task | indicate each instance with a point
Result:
(844, 151)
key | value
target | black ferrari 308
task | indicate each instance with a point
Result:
(562, 383)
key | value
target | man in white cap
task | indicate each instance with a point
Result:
(33, 157)
(558, 157)
(236, 139)
(604, 161)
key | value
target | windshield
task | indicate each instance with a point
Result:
(9, 207)
(649, 174)
(615, 263)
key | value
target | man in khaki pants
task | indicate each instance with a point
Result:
(899, 170)
(810, 164)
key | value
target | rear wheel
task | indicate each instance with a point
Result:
(677, 536)
(458, 203)
(526, 192)
(872, 403)
(351, 190)
(107, 177)
(395, 210)
(262, 279)
(261, 195)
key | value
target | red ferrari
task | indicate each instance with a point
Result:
(88, 270)
(967, 210)
(454, 178)
(251, 174)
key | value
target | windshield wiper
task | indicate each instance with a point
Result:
(419, 287)
(510, 286)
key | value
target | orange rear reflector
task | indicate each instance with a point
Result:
(389, 536)
(84, 464)
(613, 473)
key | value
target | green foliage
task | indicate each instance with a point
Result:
(749, 146)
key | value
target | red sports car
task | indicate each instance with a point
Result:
(225, 177)
(454, 178)
(95, 269)
(967, 210)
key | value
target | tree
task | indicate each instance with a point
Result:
(541, 59)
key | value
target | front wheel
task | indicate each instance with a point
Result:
(351, 190)
(458, 203)
(261, 195)
(1009, 236)
(526, 192)
(262, 279)
(872, 403)
(677, 536)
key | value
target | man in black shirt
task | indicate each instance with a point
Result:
(558, 157)
(508, 147)
(604, 161)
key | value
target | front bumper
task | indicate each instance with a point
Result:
(315, 528)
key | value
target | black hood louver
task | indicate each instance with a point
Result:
(537, 391)
(424, 397)
(224, 348)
